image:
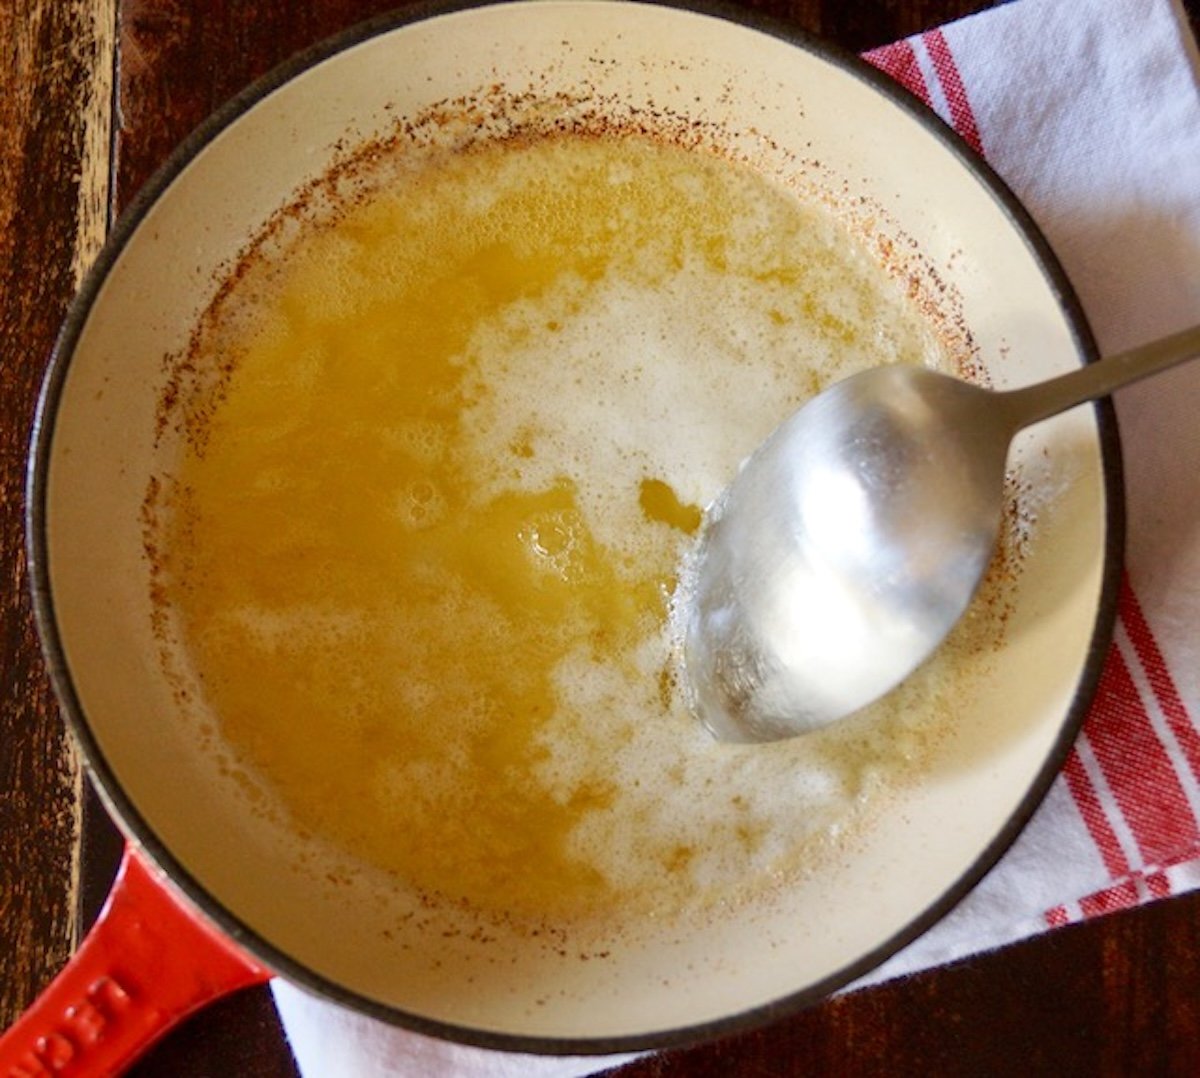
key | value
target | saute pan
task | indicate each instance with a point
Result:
(213, 896)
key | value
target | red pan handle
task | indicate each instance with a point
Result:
(148, 962)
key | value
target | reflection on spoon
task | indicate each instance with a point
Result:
(852, 540)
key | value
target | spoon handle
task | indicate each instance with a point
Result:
(1030, 404)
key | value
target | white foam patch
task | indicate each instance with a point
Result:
(626, 389)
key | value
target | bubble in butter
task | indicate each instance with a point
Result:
(421, 557)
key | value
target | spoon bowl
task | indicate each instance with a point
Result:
(853, 539)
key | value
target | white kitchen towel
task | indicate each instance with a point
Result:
(1090, 110)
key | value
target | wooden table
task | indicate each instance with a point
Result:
(93, 95)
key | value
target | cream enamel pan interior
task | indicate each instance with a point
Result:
(95, 446)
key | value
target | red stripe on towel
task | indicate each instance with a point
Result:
(1083, 793)
(899, 61)
(1057, 917)
(1129, 892)
(1170, 702)
(1119, 897)
(962, 116)
(1137, 768)
(1159, 884)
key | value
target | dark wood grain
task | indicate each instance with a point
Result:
(1120, 995)
(53, 194)
(1116, 997)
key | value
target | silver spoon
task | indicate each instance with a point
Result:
(852, 539)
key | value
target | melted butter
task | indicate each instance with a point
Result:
(423, 553)
(659, 502)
